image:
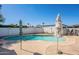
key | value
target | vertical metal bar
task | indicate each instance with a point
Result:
(20, 33)
(57, 45)
(58, 40)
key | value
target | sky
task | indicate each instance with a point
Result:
(35, 14)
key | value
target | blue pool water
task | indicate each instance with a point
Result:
(34, 37)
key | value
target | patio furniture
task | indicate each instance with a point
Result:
(4, 51)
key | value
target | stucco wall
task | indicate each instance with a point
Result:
(15, 31)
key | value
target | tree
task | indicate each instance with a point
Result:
(1, 16)
(43, 23)
(1, 19)
(13, 25)
(28, 23)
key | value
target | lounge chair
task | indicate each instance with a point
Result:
(4, 51)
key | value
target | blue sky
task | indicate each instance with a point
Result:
(35, 14)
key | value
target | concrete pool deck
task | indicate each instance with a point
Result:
(69, 47)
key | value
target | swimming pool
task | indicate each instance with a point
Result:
(34, 37)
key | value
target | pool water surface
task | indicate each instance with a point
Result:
(35, 37)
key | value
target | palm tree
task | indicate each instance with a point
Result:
(28, 24)
(43, 23)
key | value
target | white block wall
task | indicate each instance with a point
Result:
(49, 29)
(15, 31)
(9, 31)
(32, 30)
